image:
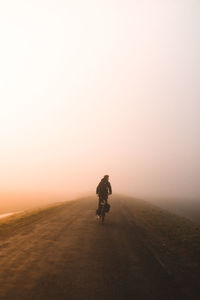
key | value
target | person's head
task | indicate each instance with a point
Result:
(106, 177)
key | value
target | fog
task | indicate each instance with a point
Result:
(90, 88)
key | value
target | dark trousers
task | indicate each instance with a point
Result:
(101, 198)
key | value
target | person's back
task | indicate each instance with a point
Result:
(103, 190)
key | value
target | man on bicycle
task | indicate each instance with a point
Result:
(103, 190)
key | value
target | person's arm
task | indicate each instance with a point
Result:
(110, 188)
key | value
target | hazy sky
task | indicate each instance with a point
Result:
(95, 87)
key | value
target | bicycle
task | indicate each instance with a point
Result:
(102, 213)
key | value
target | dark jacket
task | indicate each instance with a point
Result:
(104, 188)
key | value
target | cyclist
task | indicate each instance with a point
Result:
(103, 190)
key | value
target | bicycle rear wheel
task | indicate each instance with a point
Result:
(102, 215)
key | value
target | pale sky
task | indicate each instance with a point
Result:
(89, 88)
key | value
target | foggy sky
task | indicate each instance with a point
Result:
(100, 87)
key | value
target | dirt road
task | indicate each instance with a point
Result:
(67, 254)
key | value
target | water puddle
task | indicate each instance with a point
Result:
(7, 215)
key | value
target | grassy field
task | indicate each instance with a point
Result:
(11, 224)
(176, 232)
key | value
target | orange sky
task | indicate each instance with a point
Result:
(96, 87)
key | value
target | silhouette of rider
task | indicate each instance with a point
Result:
(104, 189)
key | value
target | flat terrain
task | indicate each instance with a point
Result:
(63, 252)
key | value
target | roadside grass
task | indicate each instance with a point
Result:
(175, 230)
(13, 223)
